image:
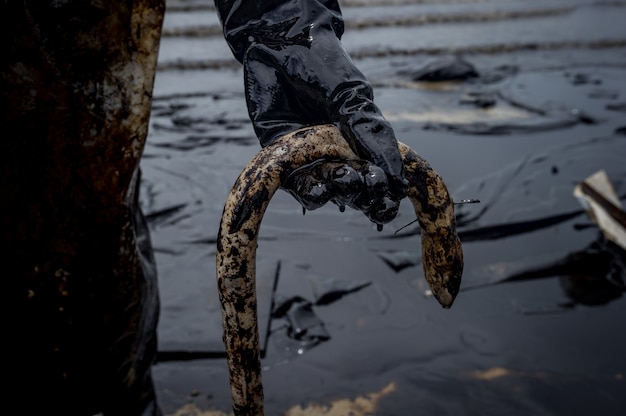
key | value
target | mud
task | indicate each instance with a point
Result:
(536, 328)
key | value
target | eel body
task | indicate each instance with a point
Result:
(442, 254)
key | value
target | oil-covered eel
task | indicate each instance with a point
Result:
(442, 255)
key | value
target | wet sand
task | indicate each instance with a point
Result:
(538, 326)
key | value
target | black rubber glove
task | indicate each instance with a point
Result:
(354, 183)
(298, 74)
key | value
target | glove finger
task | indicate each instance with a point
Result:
(308, 185)
(346, 183)
(383, 210)
(375, 187)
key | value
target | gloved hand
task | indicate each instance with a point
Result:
(298, 74)
(354, 183)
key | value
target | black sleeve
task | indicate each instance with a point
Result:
(275, 22)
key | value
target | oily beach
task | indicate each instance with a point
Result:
(514, 103)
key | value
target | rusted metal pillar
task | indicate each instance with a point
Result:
(76, 82)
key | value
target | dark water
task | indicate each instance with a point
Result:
(539, 326)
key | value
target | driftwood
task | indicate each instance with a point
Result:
(442, 254)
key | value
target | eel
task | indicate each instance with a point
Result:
(442, 253)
